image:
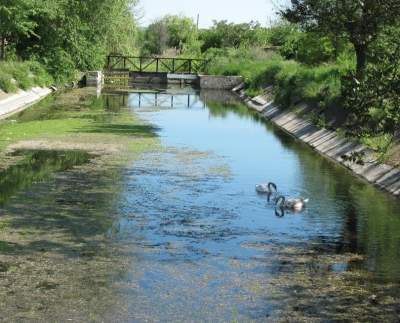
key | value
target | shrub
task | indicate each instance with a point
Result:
(309, 48)
(293, 81)
(6, 83)
(40, 75)
(24, 74)
(19, 73)
(60, 65)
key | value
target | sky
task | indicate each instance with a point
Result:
(232, 10)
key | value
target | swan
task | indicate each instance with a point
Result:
(293, 204)
(266, 188)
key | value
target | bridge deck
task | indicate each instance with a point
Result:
(156, 64)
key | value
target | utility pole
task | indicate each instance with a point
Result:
(198, 20)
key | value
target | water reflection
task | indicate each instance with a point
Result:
(206, 238)
(181, 233)
(36, 166)
(345, 213)
(370, 218)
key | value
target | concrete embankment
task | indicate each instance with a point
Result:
(326, 142)
(23, 99)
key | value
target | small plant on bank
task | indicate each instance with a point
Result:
(7, 84)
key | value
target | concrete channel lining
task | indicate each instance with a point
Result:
(328, 143)
(22, 100)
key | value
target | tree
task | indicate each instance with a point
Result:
(177, 32)
(374, 102)
(182, 32)
(14, 22)
(360, 20)
(156, 38)
(224, 34)
(69, 35)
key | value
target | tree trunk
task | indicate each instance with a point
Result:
(2, 48)
(361, 53)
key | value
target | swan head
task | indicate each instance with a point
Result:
(272, 187)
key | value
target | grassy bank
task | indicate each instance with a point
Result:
(77, 119)
(293, 81)
(317, 85)
(22, 75)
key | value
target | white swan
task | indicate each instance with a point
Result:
(293, 204)
(266, 188)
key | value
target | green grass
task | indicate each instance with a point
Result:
(6, 83)
(23, 75)
(81, 118)
(319, 86)
(11, 133)
(292, 80)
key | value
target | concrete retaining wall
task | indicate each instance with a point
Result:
(219, 82)
(147, 77)
(327, 143)
(94, 78)
(22, 100)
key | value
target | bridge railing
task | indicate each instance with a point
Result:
(157, 64)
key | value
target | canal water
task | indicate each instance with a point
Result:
(198, 243)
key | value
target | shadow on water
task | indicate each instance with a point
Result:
(70, 207)
(36, 166)
(56, 262)
(146, 131)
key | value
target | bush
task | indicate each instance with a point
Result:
(309, 48)
(19, 73)
(6, 83)
(293, 81)
(279, 34)
(60, 65)
(40, 75)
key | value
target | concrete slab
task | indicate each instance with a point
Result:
(21, 101)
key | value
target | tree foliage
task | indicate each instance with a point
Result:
(176, 32)
(68, 35)
(14, 22)
(360, 21)
(374, 101)
(309, 48)
(223, 34)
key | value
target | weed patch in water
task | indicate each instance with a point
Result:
(36, 166)
(305, 287)
(58, 262)
(77, 119)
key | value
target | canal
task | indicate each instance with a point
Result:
(180, 234)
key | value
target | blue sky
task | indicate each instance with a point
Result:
(231, 10)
